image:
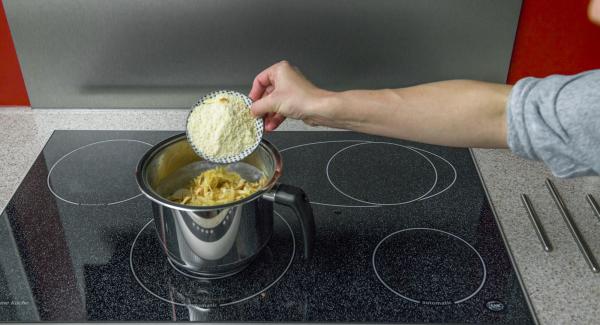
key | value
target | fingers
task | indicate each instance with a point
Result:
(263, 106)
(268, 90)
(267, 121)
(260, 84)
(266, 79)
(273, 121)
(262, 81)
(258, 88)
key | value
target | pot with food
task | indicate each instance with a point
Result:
(213, 219)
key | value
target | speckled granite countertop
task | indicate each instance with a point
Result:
(560, 285)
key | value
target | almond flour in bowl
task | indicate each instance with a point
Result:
(221, 128)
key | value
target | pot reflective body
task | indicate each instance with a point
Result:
(217, 241)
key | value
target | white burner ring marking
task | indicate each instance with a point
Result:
(381, 204)
(332, 141)
(483, 279)
(83, 147)
(451, 166)
(223, 304)
(365, 141)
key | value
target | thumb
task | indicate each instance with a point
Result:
(263, 106)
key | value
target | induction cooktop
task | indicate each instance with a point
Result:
(404, 234)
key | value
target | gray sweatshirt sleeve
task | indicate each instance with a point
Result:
(557, 120)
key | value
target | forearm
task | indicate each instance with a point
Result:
(453, 113)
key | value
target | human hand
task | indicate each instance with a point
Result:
(281, 91)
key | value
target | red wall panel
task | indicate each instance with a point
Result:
(554, 36)
(12, 87)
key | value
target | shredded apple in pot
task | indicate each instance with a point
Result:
(215, 187)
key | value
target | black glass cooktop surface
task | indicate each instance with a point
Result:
(404, 234)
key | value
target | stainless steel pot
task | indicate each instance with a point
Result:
(217, 241)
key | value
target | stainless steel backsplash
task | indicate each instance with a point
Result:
(156, 53)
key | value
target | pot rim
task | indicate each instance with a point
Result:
(149, 192)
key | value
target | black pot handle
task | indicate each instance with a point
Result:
(294, 198)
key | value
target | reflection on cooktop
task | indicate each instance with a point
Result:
(160, 278)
